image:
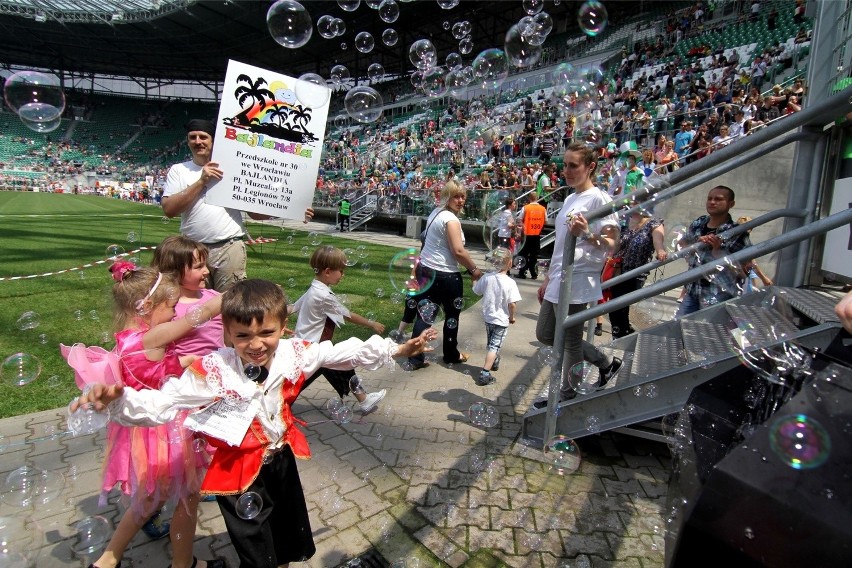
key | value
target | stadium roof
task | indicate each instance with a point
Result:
(193, 40)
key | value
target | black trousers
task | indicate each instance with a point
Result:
(447, 287)
(281, 532)
(529, 252)
(620, 319)
(339, 380)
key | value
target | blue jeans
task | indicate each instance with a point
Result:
(690, 305)
(443, 292)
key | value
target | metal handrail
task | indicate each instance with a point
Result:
(724, 160)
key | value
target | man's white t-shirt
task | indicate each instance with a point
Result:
(588, 259)
(202, 222)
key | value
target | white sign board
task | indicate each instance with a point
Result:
(837, 253)
(268, 142)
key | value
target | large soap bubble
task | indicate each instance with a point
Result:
(376, 72)
(520, 49)
(325, 26)
(20, 369)
(249, 505)
(405, 276)
(390, 37)
(289, 23)
(312, 90)
(482, 414)
(490, 68)
(364, 42)
(422, 54)
(433, 84)
(563, 454)
(34, 96)
(454, 61)
(799, 441)
(338, 74)
(349, 5)
(363, 104)
(90, 535)
(389, 11)
(592, 17)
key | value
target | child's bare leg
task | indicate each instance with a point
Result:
(182, 533)
(127, 528)
(490, 357)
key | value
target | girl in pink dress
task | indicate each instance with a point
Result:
(152, 465)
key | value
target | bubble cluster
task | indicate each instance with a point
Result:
(482, 414)
(428, 311)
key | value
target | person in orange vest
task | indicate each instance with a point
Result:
(533, 216)
(246, 393)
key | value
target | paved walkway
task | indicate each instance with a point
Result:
(415, 480)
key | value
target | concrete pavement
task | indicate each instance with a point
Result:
(415, 481)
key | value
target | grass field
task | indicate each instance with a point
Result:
(42, 233)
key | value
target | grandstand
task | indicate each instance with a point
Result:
(771, 69)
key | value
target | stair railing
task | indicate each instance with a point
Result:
(706, 169)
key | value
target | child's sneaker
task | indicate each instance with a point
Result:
(372, 400)
(485, 378)
(496, 365)
(156, 527)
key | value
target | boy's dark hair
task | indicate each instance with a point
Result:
(328, 257)
(508, 202)
(250, 301)
(176, 253)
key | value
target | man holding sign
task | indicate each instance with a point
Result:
(221, 229)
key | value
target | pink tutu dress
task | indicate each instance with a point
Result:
(151, 465)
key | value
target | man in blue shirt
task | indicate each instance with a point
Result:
(683, 139)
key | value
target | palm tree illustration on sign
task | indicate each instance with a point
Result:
(274, 114)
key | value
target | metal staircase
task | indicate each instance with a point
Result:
(663, 364)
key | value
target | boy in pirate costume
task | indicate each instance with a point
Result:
(245, 393)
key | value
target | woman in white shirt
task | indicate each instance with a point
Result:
(443, 252)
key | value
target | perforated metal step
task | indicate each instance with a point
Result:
(705, 339)
(763, 323)
(656, 354)
(816, 304)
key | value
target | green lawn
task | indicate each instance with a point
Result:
(42, 233)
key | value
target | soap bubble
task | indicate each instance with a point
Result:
(252, 372)
(342, 415)
(338, 74)
(20, 369)
(389, 12)
(448, 4)
(376, 72)
(312, 90)
(249, 505)
(42, 338)
(466, 45)
(799, 441)
(519, 262)
(427, 310)
(458, 30)
(543, 25)
(405, 275)
(351, 257)
(37, 98)
(42, 126)
(363, 104)
(380, 292)
(114, 251)
(314, 238)
(582, 379)
(374, 4)
(593, 424)
(520, 50)
(324, 26)
(356, 384)
(452, 323)
(563, 454)
(364, 42)
(592, 18)
(19, 485)
(289, 24)
(90, 535)
(86, 420)
(533, 7)
(305, 251)
(422, 54)
(453, 61)
(482, 414)
(390, 37)
(458, 303)
(490, 68)
(349, 5)
(333, 404)
(434, 84)
(28, 320)
(338, 26)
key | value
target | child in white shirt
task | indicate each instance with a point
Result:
(499, 295)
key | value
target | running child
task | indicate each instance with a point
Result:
(320, 313)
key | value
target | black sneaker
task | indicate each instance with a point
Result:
(485, 379)
(611, 371)
(599, 330)
(521, 276)
(156, 527)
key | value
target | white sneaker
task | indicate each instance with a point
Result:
(372, 400)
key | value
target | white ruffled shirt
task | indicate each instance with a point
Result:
(225, 379)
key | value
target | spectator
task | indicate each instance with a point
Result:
(532, 217)
(712, 289)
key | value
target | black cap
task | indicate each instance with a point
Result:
(199, 124)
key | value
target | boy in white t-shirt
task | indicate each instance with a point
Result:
(499, 296)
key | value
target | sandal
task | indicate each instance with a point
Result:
(463, 357)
